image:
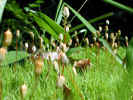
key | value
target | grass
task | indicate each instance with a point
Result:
(102, 81)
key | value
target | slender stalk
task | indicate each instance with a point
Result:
(16, 48)
(63, 69)
(16, 53)
(49, 63)
(75, 86)
(79, 10)
(0, 82)
(34, 86)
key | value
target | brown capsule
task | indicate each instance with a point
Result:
(32, 35)
(60, 81)
(3, 52)
(40, 42)
(38, 65)
(7, 38)
(23, 90)
(18, 33)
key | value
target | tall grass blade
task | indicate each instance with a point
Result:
(57, 28)
(83, 20)
(59, 18)
(2, 6)
(92, 21)
(48, 24)
(58, 14)
(11, 57)
(119, 5)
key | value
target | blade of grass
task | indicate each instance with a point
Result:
(58, 10)
(48, 24)
(59, 18)
(11, 57)
(119, 5)
(83, 20)
(2, 6)
(42, 24)
(57, 28)
(92, 21)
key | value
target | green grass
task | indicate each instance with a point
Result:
(103, 81)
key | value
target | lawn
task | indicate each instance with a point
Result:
(105, 79)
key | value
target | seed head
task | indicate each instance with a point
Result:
(64, 59)
(100, 28)
(107, 22)
(74, 71)
(64, 47)
(26, 45)
(23, 90)
(66, 12)
(95, 39)
(98, 33)
(106, 36)
(119, 32)
(106, 28)
(34, 49)
(56, 67)
(3, 52)
(70, 42)
(38, 66)
(87, 41)
(91, 45)
(82, 64)
(18, 33)
(41, 42)
(67, 28)
(126, 38)
(61, 36)
(60, 81)
(112, 36)
(77, 39)
(58, 50)
(115, 45)
(32, 35)
(7, 38)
